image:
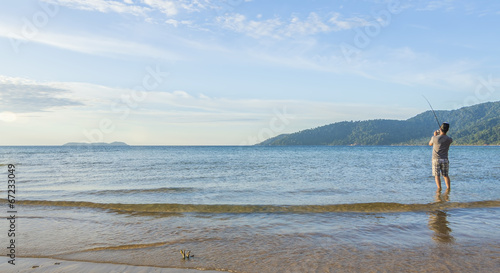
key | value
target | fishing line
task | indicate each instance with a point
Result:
(437, 120)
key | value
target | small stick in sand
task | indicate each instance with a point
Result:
(186, 254)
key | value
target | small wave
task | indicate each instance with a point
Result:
(377, 207)
(123, 247)
(152, 190)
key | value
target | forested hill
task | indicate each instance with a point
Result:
(474, 125)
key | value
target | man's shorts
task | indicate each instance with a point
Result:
(440, 166)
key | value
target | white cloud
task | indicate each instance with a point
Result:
(312, 25)
(138, 7)
(102, 100)
(7, 116)
(147, 118)
(273, 27)
(177, 23)
(239, 23)
(20, 96)
(169, 8)
(196, 5)
(102, 6)
(340, 23)
(295, 26)
(172, 22)
(143, 8)
(435, 5)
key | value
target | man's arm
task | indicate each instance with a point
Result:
(432, 138)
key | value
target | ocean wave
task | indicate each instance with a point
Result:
(377, 207)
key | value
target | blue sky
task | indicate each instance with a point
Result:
(231, 72)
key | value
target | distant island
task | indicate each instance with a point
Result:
(474, 125)
(116, 143)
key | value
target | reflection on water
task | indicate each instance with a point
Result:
(438, 221)
(439, 224)
(442, 198)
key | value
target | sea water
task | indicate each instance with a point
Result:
(257, 209)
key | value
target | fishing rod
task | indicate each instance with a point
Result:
(437, 120)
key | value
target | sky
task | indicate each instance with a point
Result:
(235, 72)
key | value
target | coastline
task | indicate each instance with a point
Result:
(49, 265)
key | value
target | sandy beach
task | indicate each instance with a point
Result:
(44, 265)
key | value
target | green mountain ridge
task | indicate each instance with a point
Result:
(473, 125)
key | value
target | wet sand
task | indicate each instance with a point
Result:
(457, 240)
(44, 265)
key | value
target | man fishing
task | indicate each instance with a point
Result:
(440, 143)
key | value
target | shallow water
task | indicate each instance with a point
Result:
(258, 209)
(248, 175)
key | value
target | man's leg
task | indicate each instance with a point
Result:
(447, 181)
(444, 170)
(438, 181)
(436, 171)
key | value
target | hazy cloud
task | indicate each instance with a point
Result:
(89, 44)
(24, 98)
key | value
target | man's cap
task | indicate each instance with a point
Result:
(445, 126)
